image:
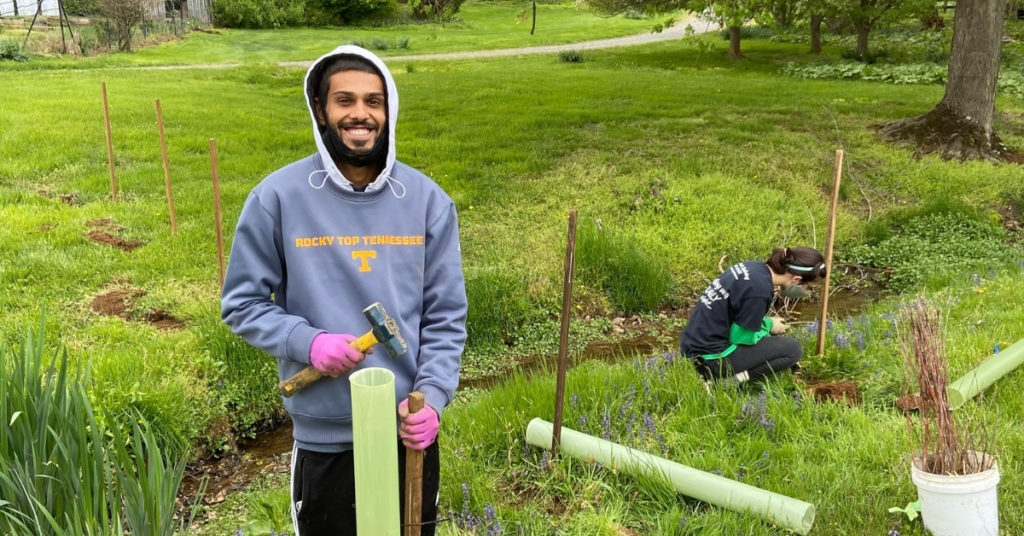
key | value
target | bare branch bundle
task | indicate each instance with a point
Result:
(924, 354)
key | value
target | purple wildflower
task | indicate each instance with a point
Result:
(494, 529)
(649, 423)
(606, 425)
(574, 399)
(841, 341)
(489, 514)
(582, 421)
(861, 343)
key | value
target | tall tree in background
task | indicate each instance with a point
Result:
(865, 15)
(961, 124)
(732, 14)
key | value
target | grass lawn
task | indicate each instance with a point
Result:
(691, 156)
(479, 26)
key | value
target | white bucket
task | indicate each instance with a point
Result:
(958, 505)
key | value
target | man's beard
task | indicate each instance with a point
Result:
(343, 154)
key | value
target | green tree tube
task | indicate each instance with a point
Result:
(375, 452)
(792, 514)
(994, 367)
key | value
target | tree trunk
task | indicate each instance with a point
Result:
(974, 60)
(816, 33)
(961, 124)
(734, 43)
(863, 30)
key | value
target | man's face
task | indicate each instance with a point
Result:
(356, 108)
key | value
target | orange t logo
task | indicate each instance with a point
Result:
(362, 255)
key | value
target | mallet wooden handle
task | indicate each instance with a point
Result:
(307, 376)
(413, 477)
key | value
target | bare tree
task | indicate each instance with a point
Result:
(961, 124)
(124, 14)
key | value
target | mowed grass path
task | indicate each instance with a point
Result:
(700, 157)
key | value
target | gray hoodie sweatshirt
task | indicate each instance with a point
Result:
(310, 253)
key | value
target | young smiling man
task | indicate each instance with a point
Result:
(316, 243)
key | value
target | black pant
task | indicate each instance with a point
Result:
(325, 485)
(771, 354)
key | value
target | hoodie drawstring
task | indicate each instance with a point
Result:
(389, 179)
(309, 179)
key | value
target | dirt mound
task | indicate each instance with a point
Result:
(120, 302)
(116, 302)
(843, 391)
(104, 236)
(162, 320)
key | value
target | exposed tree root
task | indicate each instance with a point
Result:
(950, 135)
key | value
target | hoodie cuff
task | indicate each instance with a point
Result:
(299, 341)
(434, 397)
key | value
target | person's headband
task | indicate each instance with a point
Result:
(819, 268)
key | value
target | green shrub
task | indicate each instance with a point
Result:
(327, 12)
(617, 263)
(570, 56)
(66, 470)
(10, 49)
(378, 43)
(498, 306)
(257, 13)
(435, 10)
(933, 245)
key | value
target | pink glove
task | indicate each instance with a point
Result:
(418, 430)
(333, 355)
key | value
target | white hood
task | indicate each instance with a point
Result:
(392, 111)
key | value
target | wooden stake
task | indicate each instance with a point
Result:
(216, 209)
(829, 241)
(413, 478)
(167, 167)
(563, 339)
(110, 145)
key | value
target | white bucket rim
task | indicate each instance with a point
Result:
(969, 483)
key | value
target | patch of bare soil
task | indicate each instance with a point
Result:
(46, 227)
(120, 302)
(162, 320)
(845, 392)
(116, 302)
(106, 233)
(103, 237)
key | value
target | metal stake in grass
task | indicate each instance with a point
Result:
(563, 339)
(110, 145)
(829, 241)
(216, 209)
(167, 167)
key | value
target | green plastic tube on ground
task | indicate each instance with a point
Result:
(994, 367)
(375, 452)
(786, 512)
